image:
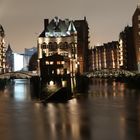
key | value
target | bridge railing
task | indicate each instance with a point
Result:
(109, 73)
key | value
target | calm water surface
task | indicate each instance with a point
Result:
(108, 111)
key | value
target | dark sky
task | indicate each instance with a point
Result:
(23, 19)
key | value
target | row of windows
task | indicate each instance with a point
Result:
(59, 71)
(63, 54)
(54, 47)
(52, 62)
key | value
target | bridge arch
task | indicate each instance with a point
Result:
(16, 75)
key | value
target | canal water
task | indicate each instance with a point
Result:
(107, 111)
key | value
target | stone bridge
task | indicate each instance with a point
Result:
(17, 75)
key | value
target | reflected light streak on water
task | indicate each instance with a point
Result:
(110, 111)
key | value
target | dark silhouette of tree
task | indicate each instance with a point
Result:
(33, 62)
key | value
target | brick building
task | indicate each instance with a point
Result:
(67, 38)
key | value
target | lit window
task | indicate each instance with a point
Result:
(62, 71)
(138, 33)
(68, 71)
(51, 83)
(51, 62)
(63, 62)
(47, 62)
(58, 62)
(58, 71)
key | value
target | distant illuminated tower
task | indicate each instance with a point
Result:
(136, 34)
(2, 50)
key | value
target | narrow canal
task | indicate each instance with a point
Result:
(108, 111)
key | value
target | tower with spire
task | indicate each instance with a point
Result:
(9, 59)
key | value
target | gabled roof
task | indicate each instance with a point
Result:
(58, 27)
(42, 34)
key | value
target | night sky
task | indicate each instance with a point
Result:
(23, 20)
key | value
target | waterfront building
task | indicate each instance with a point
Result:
(54, 68)
(106, 56)
(2, 50)
(127, 56)
(82, 44)
(57, 50)
(90, 59)
(21, 61)
(18, 62)
(136, 35)
(67, 38)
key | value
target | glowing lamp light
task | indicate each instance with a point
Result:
(68, 72)
(58, 71)
(63, 62)
(64, 83)
(51, 83)
(47, 62)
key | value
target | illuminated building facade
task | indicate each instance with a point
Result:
(67, 38)
(2, 51)
(106, 56)
(58, 41)
(136, 35)
(83, 44)
(127, 57)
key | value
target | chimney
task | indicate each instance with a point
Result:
(46, 22)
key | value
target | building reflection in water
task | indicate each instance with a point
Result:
(106, 88)
(21, 91)
(18, 89)
(110, 111)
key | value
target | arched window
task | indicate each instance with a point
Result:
(50, 45)
(61, 45)
(54, 45)
(44, 46)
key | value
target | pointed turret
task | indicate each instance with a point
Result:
(2, 34)
(71, 28)
(9, 49)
